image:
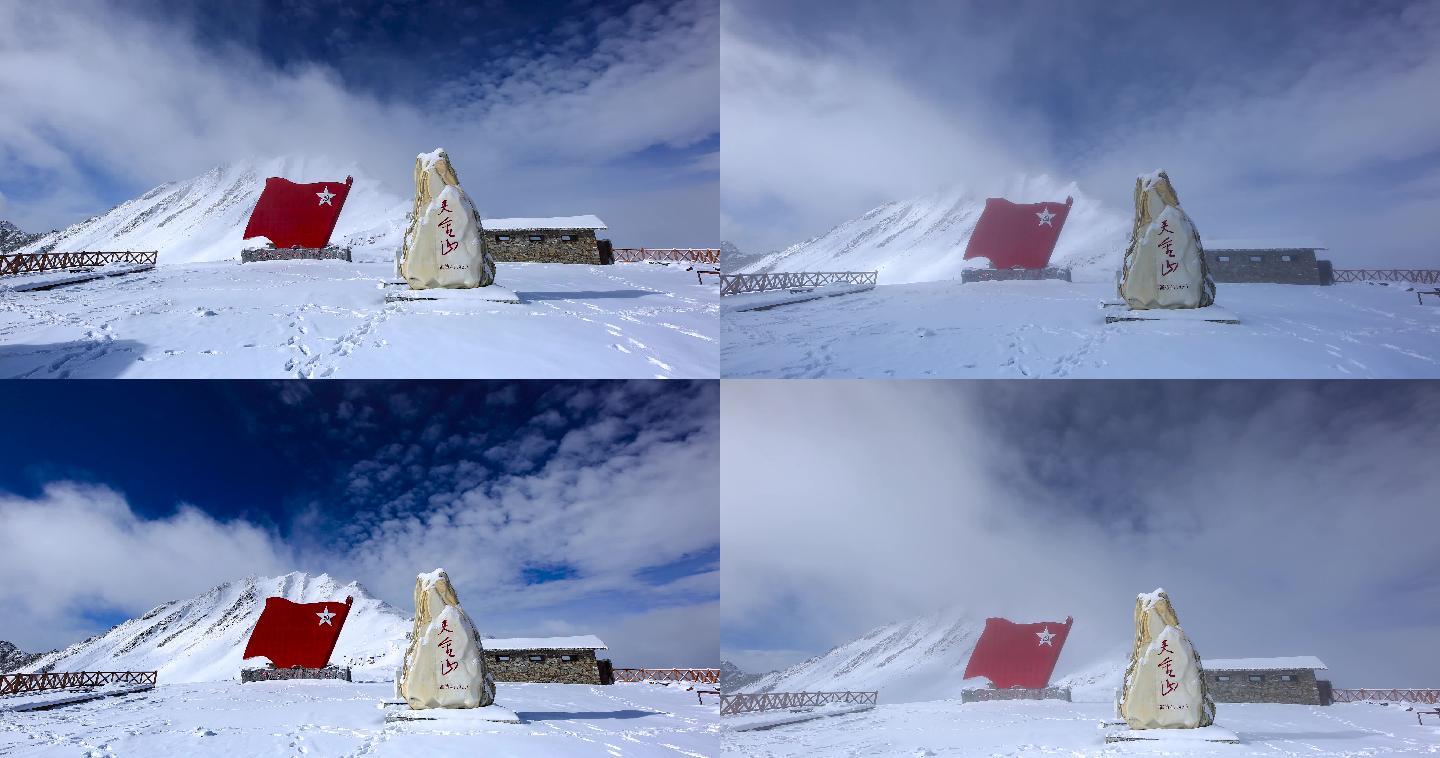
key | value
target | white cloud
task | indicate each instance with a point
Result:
(91, 89)
(80, 549)
(1317, 130)
(1288, 529)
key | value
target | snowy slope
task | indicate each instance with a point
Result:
(923, 239)
(919, 659)
(203, 638)
(203, 218)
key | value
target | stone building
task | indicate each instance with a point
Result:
(568, 239)
(1267, 680)
(564, 660)
(1243, 262)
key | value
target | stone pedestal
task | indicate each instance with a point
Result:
(1013, 274)
(272, 674)
(1014, 693)
(329, 252)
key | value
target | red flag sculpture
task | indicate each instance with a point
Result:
(1018, 655)
(297, 215)
(297, 634)
(1012, 235)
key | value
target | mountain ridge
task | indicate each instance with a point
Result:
(923, 238)
(203, 638)
(203, 218)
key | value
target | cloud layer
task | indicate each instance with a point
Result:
(1279, 121)
(1281, 516)
(592, 509)
(102, 104)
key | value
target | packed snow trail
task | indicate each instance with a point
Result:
(1027, 728)
(320, 319)
(1055, 329)
(340, 719)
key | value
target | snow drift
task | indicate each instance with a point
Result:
(203, 219)
(924, 239)
(203, 638)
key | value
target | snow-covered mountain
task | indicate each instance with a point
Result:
(203, 218)
(203, 638)
(13, 238)
(909, 661)
(733, 678)
(923, 239)
(732, 258)
(13, 658)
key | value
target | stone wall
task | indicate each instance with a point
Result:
(274, 674)
(1015, 693)
(516, 246)
(1297, 266)
(1271, 689)
(329, 252)
(583, 668)
(1007, 274)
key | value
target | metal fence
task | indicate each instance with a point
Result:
(731, 705)
(1393, 696)
(1412, 275)
(15, 684)
(27, 263)
(671, 254)
(705, 676)
(735, 284)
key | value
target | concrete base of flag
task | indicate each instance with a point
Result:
(1012, 274)
(329, 252)
(1119, 731)
(272, 674)
(982, 694)
(1116, 312)
(399, 711)
(401, 293)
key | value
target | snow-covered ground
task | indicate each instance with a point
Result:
(1052, 727)
(1057, 329)
(329, 319)
(335, 718)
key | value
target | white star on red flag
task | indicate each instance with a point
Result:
(1045, 216)
(325, 195)
(325, 617)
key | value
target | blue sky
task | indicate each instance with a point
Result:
(1283, 517)
(563, 507)
(1291, 119)
(555, 108)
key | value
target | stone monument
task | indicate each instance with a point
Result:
(1164, 274)
(1164, 688)
(444, 248)
(445, 663)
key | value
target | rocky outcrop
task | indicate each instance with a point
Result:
(443, 246)
(12, 238)
(445, 664)
(1164, 684)
(1164, 264)
(13, 658)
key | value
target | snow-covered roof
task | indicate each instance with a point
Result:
(1264, 664)
(580, 642)
(558, 222)
(1247, 243)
